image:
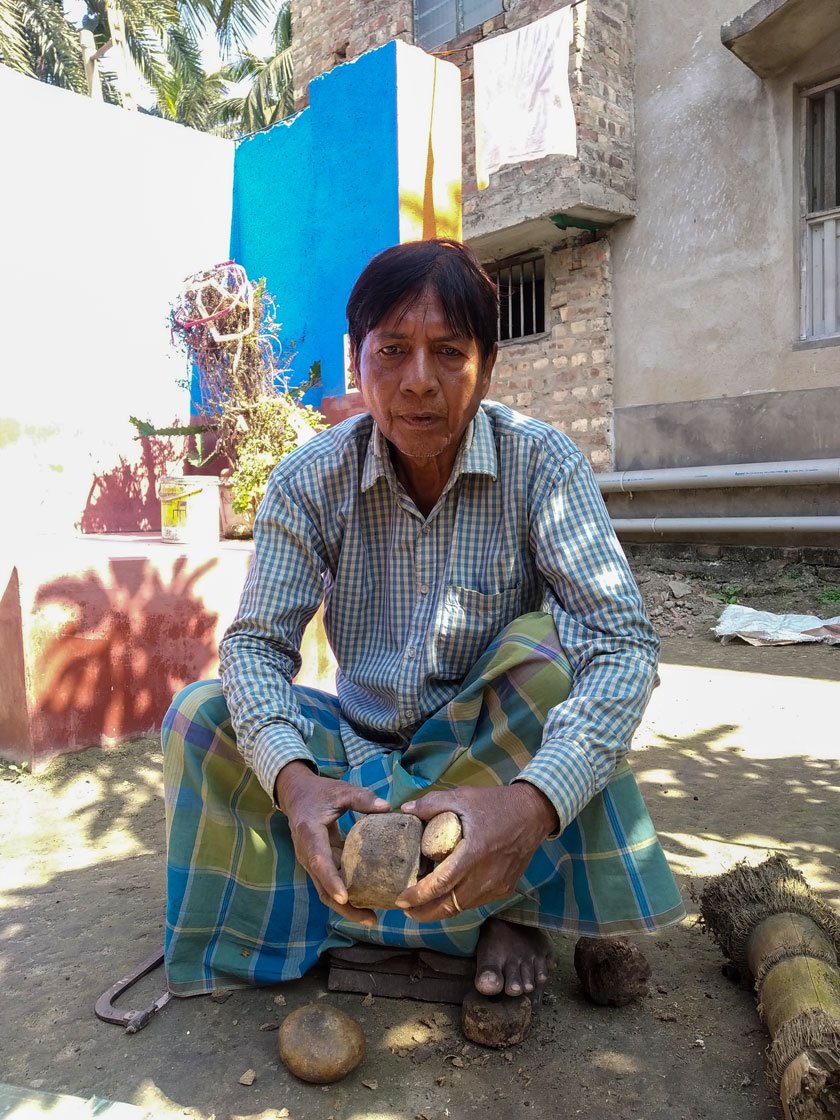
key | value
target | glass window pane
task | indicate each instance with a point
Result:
(815, 156)
(434, 22)
(475, 12)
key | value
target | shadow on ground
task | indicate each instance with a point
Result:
(83, 871)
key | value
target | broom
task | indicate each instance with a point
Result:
(771, 925)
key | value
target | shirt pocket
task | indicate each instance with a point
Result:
(469, 620)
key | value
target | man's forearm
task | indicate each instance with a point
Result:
(270, 729)
(586, 736)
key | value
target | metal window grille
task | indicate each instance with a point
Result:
(821, 218)
(521, 286)
(438, 21)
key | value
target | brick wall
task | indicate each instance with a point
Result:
(565, 377)
(329, 32)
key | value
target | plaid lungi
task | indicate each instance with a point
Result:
(241, 910)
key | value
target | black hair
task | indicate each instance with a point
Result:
(398, 276)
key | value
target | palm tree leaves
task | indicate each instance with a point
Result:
(14, 49)
(270, 97)
(162, 37)
(37, 39)
(235, 21)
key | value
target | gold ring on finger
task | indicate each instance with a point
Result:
(455, 901)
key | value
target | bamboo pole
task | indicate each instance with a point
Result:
(769, 922)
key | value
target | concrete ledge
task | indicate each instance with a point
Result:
(99, 632)
(771, 35)
(515, 213)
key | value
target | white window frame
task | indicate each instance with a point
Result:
(523, 262)
(819, 254)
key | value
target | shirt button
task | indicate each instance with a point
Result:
(423, 589)
(411, 652)
(409, 713)
(426, 529)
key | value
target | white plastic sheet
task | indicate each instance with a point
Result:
(762, 628)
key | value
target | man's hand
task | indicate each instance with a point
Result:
(312, 806)
(502, 828)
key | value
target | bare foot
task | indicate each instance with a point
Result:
(512, 958)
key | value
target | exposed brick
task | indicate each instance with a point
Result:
(570, 370)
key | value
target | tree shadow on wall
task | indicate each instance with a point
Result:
(117, 651)
(125, 498)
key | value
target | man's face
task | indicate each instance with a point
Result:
(421, 384)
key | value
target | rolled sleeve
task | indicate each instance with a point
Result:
(605, 634)
(276, 746)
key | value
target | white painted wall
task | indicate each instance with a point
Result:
(103, 213)
(706, 293)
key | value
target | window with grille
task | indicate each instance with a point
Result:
(821, 213)
(521, 284)
(438, 21)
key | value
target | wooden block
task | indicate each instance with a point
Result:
(429, 988)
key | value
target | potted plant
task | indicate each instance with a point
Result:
(248, 414)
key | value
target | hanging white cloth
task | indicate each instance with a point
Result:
(523, 105)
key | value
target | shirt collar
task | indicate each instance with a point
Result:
(476, 455)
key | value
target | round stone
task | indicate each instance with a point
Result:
(381, 858)
(320, 1044)
(440, 836)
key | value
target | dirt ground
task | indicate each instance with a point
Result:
(737, 756)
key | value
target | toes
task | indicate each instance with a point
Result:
(541, 970)
(513, 979)
(526, 972)
(489, 981)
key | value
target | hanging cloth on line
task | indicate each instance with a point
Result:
(523, 105)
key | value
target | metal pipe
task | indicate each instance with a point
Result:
(668, 526)
(802, 472)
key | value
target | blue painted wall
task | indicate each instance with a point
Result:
(313, 199)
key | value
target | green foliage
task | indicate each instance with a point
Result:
(829, 595)
(270, 96)
(37, 39)
(249, 409)
(197, 433)
(18, 769)
(272, 430)
(730, 593)
(163, 39)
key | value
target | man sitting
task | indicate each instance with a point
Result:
(494, 659)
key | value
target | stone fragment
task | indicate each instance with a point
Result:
(495, 1020)
(679, 588)
(440, 836)
(248, 1077)
(381, 858)
(612, 971)
(320, 1044)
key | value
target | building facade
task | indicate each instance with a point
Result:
(683, 268)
